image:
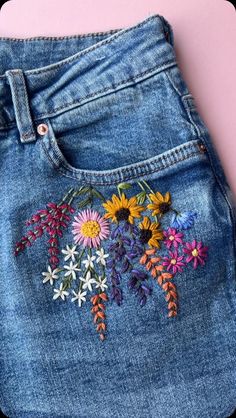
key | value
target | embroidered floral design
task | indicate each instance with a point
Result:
(90, 228)
(150, 233)
(122, 209)
(172, 238)
(122, 243)
(196, 252)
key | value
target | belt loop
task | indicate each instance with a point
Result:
(21, 105)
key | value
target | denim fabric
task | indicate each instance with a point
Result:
(121, 131)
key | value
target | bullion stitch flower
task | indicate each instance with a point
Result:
(172, 237)
(90, 228)
(196, 252)
(122, 209)
(88, 281)
(101, 256)
(50, 275)
(70, 253)
(80, 296)
(150, 232)
(174, 262)
(71, 269)
(60, 292)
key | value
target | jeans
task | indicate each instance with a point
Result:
(118, 284)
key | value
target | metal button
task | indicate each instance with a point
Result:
(42, 129)
(202, 147)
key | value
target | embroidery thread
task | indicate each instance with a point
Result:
(123, 239)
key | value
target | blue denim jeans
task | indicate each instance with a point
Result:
(118, 285)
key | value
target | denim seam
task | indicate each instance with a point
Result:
(93, 47)
(158, 69)
(60, 38)
(130, 80)
(224, 194)
(130, 177)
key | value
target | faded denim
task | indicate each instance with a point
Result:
(118, 111)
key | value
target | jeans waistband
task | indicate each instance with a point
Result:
(105, 62)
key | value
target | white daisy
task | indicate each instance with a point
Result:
(80, 296)
(60, 293)
(70, 253)
(72, 268)
(101, 283)
(101, 256)
(50, 275)
(89, 261)
(88, 280)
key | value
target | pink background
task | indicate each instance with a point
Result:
(205, 39)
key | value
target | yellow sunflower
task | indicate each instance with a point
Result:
(122, 209)
(150, 233)
(161, 204)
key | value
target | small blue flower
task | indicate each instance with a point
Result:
(184, 220)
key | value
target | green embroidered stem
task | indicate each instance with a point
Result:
(148, 187)
(65, 197)
(144, 190)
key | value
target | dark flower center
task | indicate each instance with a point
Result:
(145, 235)
(122, 214)
(164, 207)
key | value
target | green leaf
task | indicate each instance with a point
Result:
(98, 194)
(141, 197)
(124, 186)
(84, 202)
(83, 190)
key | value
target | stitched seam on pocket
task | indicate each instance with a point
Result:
(64, 169)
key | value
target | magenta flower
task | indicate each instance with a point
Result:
(174, 262)
(172, 237)
(196, 253)
(89, 228)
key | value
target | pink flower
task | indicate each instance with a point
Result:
(196, 253)
(90, 228)
(172, 237)
(174, 262)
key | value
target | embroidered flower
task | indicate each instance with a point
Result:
(161, 204)
(101, 256)
(196, 252)
(88, 281)
(101, 283)
(70, 253)
(183, 220)
(90, 228)
(122, 209)
(172, 237)
(71, 270)
(150, 233)
(80, 296)
(89, 262)
(60, 293)
(174, 262)
(50, 275)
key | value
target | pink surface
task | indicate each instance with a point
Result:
(205, 38)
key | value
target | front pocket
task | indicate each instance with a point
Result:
(153, 238)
